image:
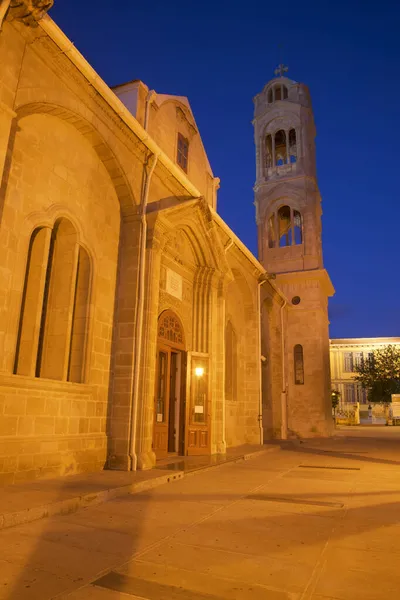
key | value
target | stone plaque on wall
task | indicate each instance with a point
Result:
(173, 284)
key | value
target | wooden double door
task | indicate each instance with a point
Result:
(170, 401)
(181, 398)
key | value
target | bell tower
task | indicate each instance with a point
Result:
(288, 215)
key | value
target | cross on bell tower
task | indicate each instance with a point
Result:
(281, 70)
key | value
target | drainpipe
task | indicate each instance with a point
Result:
(284, 424)
(4, 6)
(260, 360)
(137, 343)
(228, 245)
(149, 99)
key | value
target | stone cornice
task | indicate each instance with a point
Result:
(29, 12)
(313, 275)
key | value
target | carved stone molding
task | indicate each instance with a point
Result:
(29, 11)
(183, 117)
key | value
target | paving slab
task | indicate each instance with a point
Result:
(245, 530)
(27, 502)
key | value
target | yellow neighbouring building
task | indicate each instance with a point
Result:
(345, 355)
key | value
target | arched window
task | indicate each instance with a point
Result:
(170, 329)
(284, 226)
(298, 365)
(268, 151)
(292, 146)
(54, 310)
(289, 227)
(278, 92)
(230, 362)
(280, 148)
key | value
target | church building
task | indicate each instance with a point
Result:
(134, 324)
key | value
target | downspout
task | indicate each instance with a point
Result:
(229, 244)
(284, 424)
(149, 99)
(260, 359)
(4, 6)
(137, 344)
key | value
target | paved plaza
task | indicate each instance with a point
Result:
(316, 520)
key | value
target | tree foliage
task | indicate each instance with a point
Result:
(335, 399)
(379, 374)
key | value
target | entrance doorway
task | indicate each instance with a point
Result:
(170, 388)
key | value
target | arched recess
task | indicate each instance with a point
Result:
(95, 139)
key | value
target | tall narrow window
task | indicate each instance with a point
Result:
(58, 305)
(280, 148)
(270, 96)
(298, 365)
(349, 393)
(357, 359)
(79, 319)
(230, 362)
(53, 320)
(348, 362)
(32, 302)
(292, 146)
(182, 152)
(284, 226)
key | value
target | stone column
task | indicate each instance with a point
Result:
(287, 148)
(273, 150)
(218, 322)
(292, 225)
(122, 366)
(145, 422)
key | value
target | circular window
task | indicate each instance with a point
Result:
(296, 300)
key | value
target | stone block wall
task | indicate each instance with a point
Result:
(242, 404)
(49, 428)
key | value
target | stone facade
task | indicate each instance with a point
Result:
(288, 213)
(108, 229)
(129, 311)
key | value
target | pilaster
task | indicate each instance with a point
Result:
(145, 422)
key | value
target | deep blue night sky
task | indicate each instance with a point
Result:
(220, 55)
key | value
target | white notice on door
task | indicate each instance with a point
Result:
(159, 418)
(173, 284)
(199, 409)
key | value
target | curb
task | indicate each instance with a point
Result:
(71, 505)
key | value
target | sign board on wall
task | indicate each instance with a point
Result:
(173, 284)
